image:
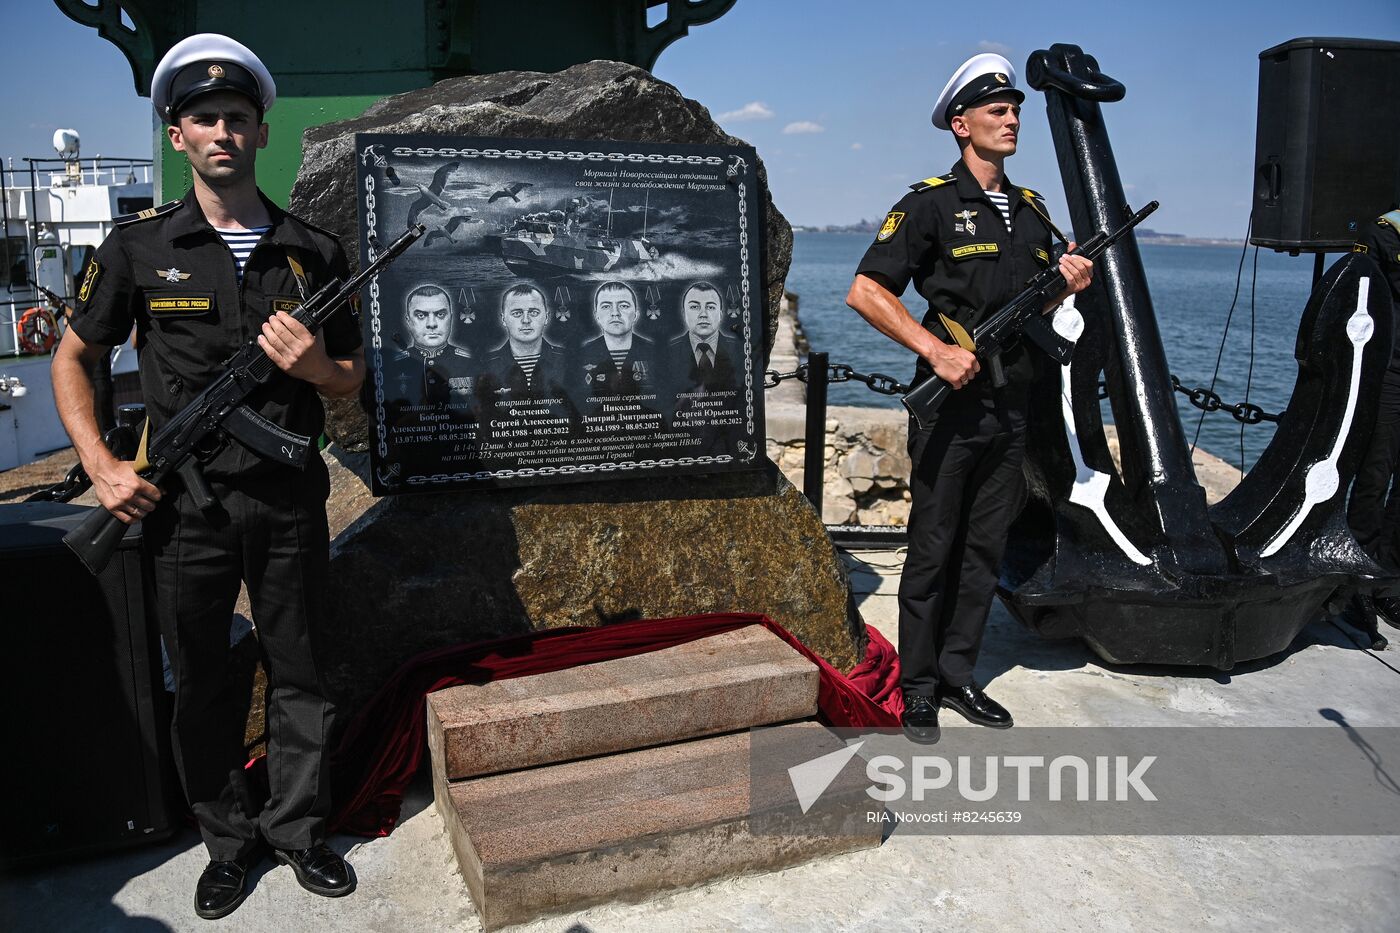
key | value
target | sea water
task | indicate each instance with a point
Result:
(1191, 286)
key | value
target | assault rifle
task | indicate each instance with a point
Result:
(201, 428)
(1022, 316)
(56, 300)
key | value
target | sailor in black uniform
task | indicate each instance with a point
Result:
(198, 278)
(527, 366)
(968, 240)
(618, 361)
(432, 370)
(1373, 511)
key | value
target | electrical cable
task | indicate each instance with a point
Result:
(1229, 315)
(1249, 378)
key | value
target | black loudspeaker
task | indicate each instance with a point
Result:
(1327, 146)
(86, 724)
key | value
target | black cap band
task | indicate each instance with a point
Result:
(980, 88)
(204, 77)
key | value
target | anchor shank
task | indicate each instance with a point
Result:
(1157, 467)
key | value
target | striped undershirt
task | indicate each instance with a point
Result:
(527, 364)
(1003, 204)
(619, 357)
(241, 242)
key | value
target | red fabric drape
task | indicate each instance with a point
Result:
(385, 743)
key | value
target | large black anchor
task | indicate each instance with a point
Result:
(1134, 562)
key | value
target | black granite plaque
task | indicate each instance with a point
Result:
(577, 310)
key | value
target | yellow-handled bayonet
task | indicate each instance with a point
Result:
(960, 335)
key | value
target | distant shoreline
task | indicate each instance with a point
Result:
(1151, 239)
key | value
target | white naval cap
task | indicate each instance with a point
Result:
(209, 62)
(980, 77)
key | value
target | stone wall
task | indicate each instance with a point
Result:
(867, 465)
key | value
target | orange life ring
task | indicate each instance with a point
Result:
(38, 330)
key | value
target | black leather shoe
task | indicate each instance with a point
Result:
(1387, 610)
(319, 870)
(976, 706)
(1363, 614)
(920, 719)
(222, 887)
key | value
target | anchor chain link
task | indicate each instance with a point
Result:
(1200, 397)
(1206, 400)
(840, 372)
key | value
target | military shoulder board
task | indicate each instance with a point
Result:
(148, 213)
(1393, 218)
(930, 183)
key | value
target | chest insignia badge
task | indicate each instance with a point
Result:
(172, 274)
(967, 223)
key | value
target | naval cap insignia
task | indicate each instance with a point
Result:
(172, 274)
(1001, 78)
(216, 71)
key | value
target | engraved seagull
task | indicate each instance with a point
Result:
(453, 214)
(510, 191)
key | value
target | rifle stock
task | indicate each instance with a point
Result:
(1019, 316)
(198, 429)
(95, 539)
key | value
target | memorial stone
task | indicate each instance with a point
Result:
(419, 571)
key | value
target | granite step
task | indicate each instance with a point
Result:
(747, 677)
(626, 826)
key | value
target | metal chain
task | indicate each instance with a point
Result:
(71, 487)
(1206, 400)
(840, 372)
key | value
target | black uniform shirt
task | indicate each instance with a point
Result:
(167, 272)
(949, 239)
(1381, 242)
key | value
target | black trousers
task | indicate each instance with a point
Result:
(1373, 512)
(967, 487)
(270, 532)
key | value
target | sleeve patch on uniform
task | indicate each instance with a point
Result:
(90, 277)
(1042, 255)
(892, 221)
(975, 249)
(1360, 248)
(185, 304)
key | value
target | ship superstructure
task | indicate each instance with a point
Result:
(54, 212)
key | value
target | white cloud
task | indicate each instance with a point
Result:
(857, 146)
(986, 45)
(803, 126)
(753, 110)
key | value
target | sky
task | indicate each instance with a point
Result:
(835, 95)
